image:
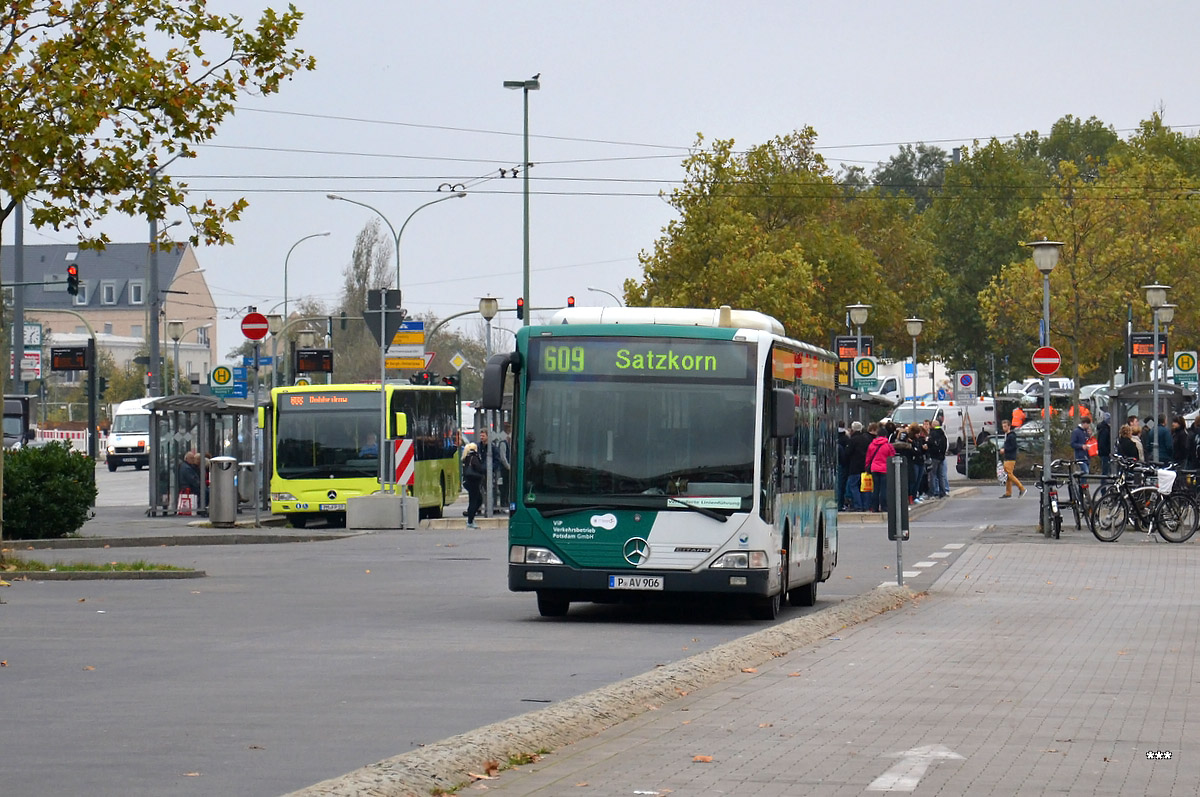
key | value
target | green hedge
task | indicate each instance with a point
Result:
(48, 492)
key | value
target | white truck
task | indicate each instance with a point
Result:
(129, 437)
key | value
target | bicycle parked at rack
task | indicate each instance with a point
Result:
(1059, 476)
(1142, 494)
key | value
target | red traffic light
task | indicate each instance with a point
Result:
(520, 308)
(570, 301)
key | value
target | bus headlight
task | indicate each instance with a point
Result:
(523, 555)
(282, 497)
(742, 560)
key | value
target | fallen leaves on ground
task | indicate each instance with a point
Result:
(749, 669)
(702, 759)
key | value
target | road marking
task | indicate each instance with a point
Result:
(954, 546)
(925, 564)
(913, 764)
(911, 573)
(939, 555)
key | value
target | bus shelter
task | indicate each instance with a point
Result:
(1137, 398)
(863, 407)
(208, 425)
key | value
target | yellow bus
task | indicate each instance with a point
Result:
(324, 447)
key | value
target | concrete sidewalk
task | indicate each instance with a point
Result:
(1029, 668)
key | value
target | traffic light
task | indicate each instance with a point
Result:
(421, 378)
(570, 301)
(452, 381)
(73, 279)
(520, 308)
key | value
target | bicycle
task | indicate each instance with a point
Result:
(1050, 495)
(1151, 507)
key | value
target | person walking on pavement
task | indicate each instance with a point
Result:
(878, 453)
(473, 476)
(1163, 435)
(856, 463)
(939, 484)
(1079, 439)
(1104, 444)
(1010, 461)
(1179, 441)
(843, 475)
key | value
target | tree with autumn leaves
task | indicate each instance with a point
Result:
(771, 229)
(97, 97)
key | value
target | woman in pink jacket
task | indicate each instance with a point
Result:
(877, 457)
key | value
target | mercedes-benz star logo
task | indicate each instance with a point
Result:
(332, 495)
(636, 551)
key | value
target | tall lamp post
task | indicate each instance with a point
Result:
(176, 332)
(615, 298)
(274, 325)
(396, 235)
(1045, 257)
(914, 326)
(324, 234)
(155, 308)
(1156, 297)
(488, 307)
(858, 317)
(526, 86)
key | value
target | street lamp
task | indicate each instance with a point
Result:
(396, 235)
(526, 86)
(601, 290)
(858, 317)
(324, 234)
(155, 304)
(1045, 257)
(914, 326)
(488, 307)
(1156, 297)
(176, 332)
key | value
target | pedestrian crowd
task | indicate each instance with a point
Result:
(863, 454)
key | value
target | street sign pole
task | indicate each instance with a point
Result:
(254, 431)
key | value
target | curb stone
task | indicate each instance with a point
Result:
(445, 764)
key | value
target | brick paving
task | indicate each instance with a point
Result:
(1027, 669)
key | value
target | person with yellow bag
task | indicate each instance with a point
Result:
(856, 464)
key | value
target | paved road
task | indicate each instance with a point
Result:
(293, 663)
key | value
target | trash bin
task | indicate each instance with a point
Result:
(247, 484)
(223, 499)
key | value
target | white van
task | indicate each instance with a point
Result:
(960, 420)
(129, 437)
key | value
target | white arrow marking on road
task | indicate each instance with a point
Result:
(913, 764)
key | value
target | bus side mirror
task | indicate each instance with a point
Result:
(399, 426)
(783, 420)
(262, 417)
(494, 374)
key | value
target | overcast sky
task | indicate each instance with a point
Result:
(407, 96)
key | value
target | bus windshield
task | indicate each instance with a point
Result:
(638, 443)
(328, 436)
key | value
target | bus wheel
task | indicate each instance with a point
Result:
(806, 595)
(767, 608)
(297, 521)
(551, 605)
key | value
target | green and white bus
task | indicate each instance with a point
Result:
(661, 451)
(324, 447)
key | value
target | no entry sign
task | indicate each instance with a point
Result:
(1046, 360)
(254, 326)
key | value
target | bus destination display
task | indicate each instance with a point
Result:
(330, 401)
(647, 358)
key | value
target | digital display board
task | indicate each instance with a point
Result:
(641, 358)
(1141, 344)
(314, 361)
(332, 400)
(68, 359)
(847, 346)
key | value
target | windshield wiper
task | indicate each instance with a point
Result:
(566, 510)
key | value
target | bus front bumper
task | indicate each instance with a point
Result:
(593, 585)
